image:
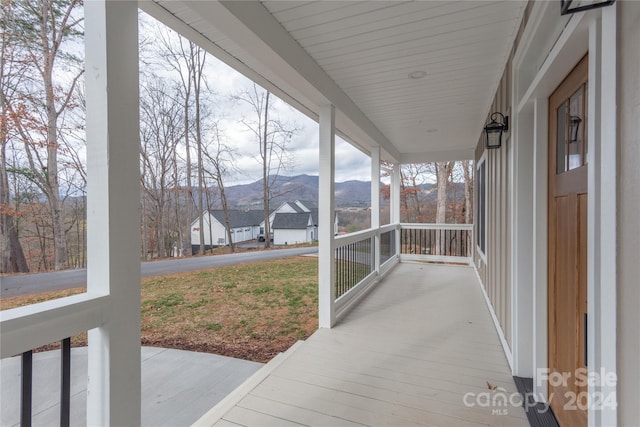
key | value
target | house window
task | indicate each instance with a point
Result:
(481, 231)
(261, 230)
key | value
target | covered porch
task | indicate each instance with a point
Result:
(419, 349)
(399, 343)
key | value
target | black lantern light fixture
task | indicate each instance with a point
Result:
(574, 127)
(573, 6)
(495, 129)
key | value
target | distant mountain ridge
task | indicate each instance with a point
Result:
(298, 187)
(352, 193)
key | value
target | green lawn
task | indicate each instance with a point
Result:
(251, 311)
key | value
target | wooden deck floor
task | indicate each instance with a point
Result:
(407, 354)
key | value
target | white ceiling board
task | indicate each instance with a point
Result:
(358, 55)
(405, 32)
(398, 18)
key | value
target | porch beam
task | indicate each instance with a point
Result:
(113, 198)
(438, 156)
(326, 215)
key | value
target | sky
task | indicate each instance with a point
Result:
(351, 164)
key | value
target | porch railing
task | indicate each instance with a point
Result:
(355, 255)
(387, 245)
(26, 385)
(27, 328)
(357, 264)
(436, 242)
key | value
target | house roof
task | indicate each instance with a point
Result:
(308, 204)
(295, 207)
(239, 218)
(291, 221)
(295, 221)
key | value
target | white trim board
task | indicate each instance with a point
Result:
(503, 340)
(595, 33)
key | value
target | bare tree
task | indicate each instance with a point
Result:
(443, 173)
(467, 167)
(413, 177)
(220, 159)
(273, 136)
(12, 69)
(197, 59)
(44, 26)
(178, 56)
(161, 130)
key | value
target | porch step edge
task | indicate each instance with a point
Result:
(216, 413)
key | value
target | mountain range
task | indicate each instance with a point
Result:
(305, 187)
(298, 187)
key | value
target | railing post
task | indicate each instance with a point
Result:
(65, 382)
(326, 213)
(26, 388)
(113, 218)
(375, 206)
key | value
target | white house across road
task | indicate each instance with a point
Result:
(291, 223)
(245, 225)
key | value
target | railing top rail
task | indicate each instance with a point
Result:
(354, 237)
(436, 226)
(35, 325)
(358, 236)
(389, 227)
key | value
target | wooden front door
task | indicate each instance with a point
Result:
(567, 292)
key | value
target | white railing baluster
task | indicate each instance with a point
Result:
(360, 258)
(436, 242)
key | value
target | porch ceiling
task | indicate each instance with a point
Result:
(358, 55)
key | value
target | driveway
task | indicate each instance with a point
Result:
(59, 280)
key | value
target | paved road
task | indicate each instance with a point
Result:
(59, 280)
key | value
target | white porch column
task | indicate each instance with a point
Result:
(326, 214)
(602, 271)
(395, 194)
(113, 219)
(375, 204)
(395, 202)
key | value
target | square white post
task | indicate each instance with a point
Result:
(113, 218)
(326, 214)
(375, 205)
(395, 202)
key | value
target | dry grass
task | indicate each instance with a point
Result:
(251, 311)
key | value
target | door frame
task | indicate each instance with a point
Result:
(570, 185)
(553, 45)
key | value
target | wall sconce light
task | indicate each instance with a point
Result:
(573, 6)
(574, 127)
(495, 129)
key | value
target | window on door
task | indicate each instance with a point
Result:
(571, 147)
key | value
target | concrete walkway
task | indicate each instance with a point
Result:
(178, 387)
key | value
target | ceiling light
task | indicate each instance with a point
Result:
(418, 74)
